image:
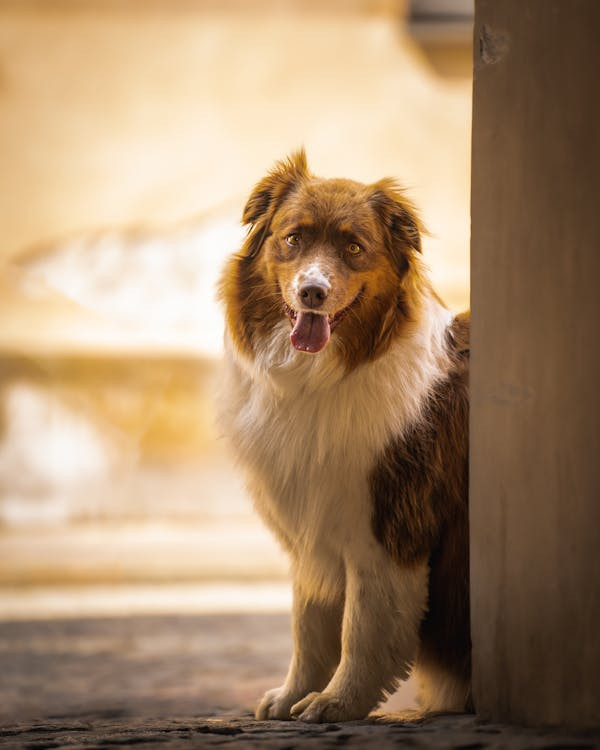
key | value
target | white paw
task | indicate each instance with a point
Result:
(276, 704)
(326, 707)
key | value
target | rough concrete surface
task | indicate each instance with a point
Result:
(456, 732)
(191, 681)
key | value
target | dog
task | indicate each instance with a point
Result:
(345, 400)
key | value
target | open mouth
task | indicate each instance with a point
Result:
(311, 330)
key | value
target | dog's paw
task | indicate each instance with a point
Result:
(276, 704)
(325, 707)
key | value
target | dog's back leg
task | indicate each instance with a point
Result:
(443, 666)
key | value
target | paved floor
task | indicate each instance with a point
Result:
(443, 732)
(191, 681)
(163, 665)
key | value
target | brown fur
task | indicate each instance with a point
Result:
(420, 509)
(419, 487)
(331, 213)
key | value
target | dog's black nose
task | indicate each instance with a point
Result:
(313, 295)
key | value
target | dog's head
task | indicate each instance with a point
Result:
(336, 257)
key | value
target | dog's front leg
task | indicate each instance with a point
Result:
(316, 628)
(383, 610)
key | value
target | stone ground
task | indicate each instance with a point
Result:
(191, 681)
(443, 732)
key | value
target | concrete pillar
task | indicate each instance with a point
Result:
(535, 429)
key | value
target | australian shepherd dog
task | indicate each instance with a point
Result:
(346, 404)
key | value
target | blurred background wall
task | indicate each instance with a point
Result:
(130, 134)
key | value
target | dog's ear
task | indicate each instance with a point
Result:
(268, 195)
(401, 221)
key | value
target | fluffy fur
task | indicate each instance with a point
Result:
(345, 402)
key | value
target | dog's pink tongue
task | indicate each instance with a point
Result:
(311, 332)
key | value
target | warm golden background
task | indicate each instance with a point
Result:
(130, 133)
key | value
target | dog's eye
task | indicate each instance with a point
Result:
(293, 240)
(354, 248)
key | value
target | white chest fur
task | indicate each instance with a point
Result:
(307, 435)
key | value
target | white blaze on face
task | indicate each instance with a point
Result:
(312, 273)
(311, 327)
